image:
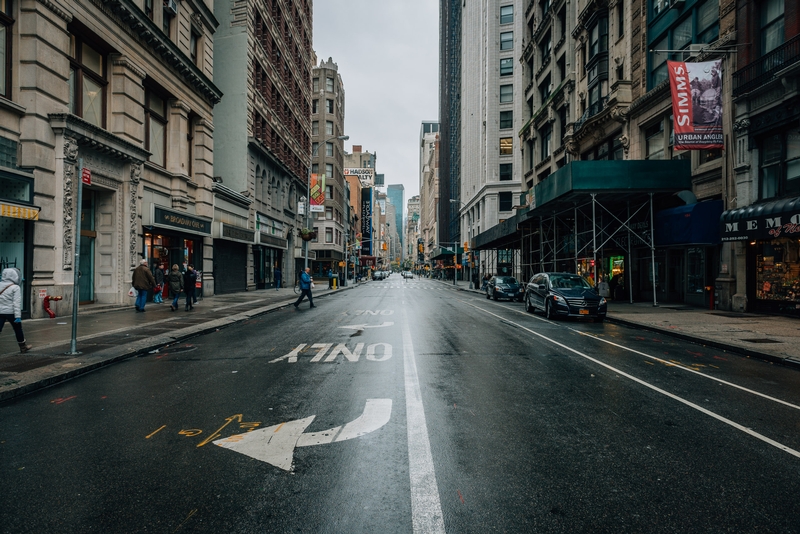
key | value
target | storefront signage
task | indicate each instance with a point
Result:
(317, 192)
(237, 234)
(274, 242)
(86, 176)
(762, 221)
(365, 175)
(696, 104)
(182, 221)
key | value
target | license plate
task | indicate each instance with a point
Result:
(584, 312)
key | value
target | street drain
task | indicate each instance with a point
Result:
(762, 340)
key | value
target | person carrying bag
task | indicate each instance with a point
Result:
(175, 281)
(11, 306)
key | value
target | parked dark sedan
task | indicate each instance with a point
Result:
(564, 295)
(504, 287)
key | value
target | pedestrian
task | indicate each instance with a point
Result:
(11, 305)
(142, 281)
(189, 281)
(277, 277)
(305, 288)
(175, 281)
(486, 279)
(159, 276)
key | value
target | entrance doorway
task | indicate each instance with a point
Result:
(87, 249)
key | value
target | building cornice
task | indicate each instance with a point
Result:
(146, 30)
(97, 138)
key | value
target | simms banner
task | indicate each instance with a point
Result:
(696, 104)
(366, 221)
(317, 192)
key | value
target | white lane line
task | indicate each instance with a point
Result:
(690, 370)
(720, 418)
(426, 509)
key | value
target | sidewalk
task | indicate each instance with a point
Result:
(769, 337)
(108, 334)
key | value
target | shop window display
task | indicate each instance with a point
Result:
(778, 270)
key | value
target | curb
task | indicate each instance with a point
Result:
(57, 372)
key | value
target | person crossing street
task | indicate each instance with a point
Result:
(305, 288)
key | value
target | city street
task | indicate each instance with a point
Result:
(407, 406)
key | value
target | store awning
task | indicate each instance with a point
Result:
(504, 235)
(761, 221)
(693, 224)
(15, 211)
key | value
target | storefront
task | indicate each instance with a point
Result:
(17, 216)
(175, 238)
(231, 251)
(771, 231)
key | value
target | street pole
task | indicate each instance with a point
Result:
(73, 344)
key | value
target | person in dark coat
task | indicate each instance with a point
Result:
(175, 281)
(142, 281)
(189, 281)
(158, 274)
(277, 278)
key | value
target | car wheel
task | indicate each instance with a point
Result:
(528, 307)
(548, 310)
(494, 296)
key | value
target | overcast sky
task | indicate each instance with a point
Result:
(388, 57)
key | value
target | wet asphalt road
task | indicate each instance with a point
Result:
(406, 406)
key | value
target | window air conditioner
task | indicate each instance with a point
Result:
(694, 50)
(171, 6)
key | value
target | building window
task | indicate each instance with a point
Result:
(563, 118)
(166, 21)
(329, 150)
(329, 235)
(315, 128)
(598, 38)
(506, 146)
(506, 119)
(658, 62)
(545, 88)
(148, 9)
(506, 93)
(654, 141)
(315, 106)
(87, 87)
(505, 200)
(620, 18)
(506, 14)
(505, 172)
(780, 164)
(772, 25)
(316, 233)
(315, 85)
(328, 127)
(546, 46)
(156, 123)
(506, 40)
(329, 85)
(5, 48)
(507, 66)
(329, 192)
(329, 169)
(329, 105)
(315, 168)
(329, 213)
(546, 134)
(708, 22)
(194, 47)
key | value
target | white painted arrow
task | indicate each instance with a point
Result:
(275, 445)
(363, 326)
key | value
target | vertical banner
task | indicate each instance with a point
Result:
(366, 221)
(317, 192)
(696, 104)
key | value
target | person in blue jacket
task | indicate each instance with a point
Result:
(305, 288)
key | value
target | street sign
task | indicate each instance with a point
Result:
(86, 176)
(275, 445)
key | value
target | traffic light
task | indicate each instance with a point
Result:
(384, 247)
(421, 248)
(466, 246)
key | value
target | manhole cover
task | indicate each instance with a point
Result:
(762, 340)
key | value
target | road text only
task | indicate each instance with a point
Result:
(329, 352)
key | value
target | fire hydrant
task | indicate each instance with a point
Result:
(47, 300)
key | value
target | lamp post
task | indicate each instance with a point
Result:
(308, 191)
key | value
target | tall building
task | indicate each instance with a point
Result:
(359, 171)
(450, 85)
(264, 61)
(327, 124)
(412, 234)
(491, 114)
(429, 195)
(125, 90)
(396, 194)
